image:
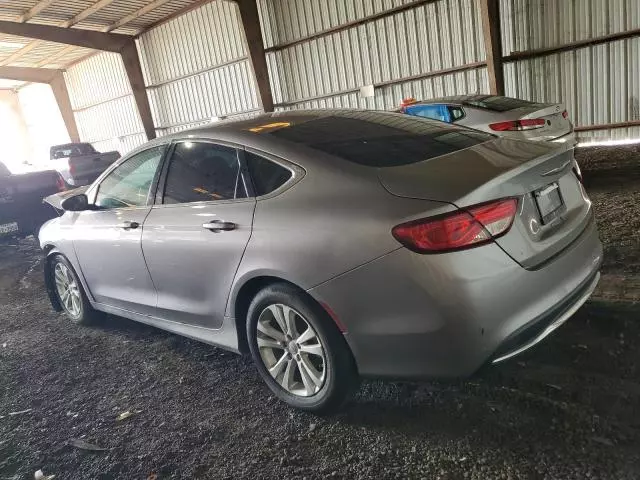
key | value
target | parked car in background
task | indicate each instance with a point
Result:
(504, 116)
(333, 244)
(22, 210)
(80, 163)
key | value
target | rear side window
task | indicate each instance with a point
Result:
(456, 113)
(376, 140)
(266, 175)
(203, 172)
(435, 112)
(499, 104)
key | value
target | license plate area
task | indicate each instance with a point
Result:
(8, 228)
(549, 202)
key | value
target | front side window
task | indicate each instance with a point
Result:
(267, 176)
(203, 172)
(128, 185)
(435, 112)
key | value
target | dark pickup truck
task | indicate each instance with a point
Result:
(79, 163)
(22, 211)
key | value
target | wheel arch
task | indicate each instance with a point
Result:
(239, 305)
(49, 252)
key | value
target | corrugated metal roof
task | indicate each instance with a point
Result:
(62, 12)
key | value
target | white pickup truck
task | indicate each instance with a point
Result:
(79, 163)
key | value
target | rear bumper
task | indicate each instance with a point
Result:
(537, 330)
(415, 316)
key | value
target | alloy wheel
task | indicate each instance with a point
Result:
(68, 291)
(291, 350)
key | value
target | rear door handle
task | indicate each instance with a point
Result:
(128, 225)
(219, 226)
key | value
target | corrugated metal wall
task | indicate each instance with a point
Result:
(428, 38)
(103, 104)
(599, 84)
(196, 68)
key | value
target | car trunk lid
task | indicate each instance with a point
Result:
(553, 208)
(556, 121)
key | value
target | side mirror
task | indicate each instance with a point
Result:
(77, 203)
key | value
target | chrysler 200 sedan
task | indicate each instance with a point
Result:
(508, 117)
(332, 245)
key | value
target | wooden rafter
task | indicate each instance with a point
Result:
(87, 12)
(20, 53)
(35, 10)
(66, 24)
(137, 14)
(50, 60)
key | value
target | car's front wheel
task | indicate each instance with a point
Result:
(69, 292)
(299, 351)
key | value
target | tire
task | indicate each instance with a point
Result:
(76, 306)
(313, 341)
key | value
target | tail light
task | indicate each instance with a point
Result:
(518, 125)
(60, 184)
(462, 229)
(565, 114)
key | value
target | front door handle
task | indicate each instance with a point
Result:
(129, 225)
(219, 226)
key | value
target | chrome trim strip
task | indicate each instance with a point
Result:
(557, 323)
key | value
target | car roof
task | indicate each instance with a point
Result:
(255, 131)
(304, 135)
(456, 99)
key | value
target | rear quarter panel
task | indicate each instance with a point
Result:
(335, 219)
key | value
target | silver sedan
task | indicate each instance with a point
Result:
(332, 245)
(508, 117)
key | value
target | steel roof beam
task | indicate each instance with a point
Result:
(110, 42)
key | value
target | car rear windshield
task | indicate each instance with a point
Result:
(377, 140)
(499, 104)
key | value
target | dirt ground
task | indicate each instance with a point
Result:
(569, 408)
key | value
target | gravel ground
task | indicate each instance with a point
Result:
(612, 178)
(568, 409)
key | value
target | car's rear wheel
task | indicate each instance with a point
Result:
(69, 291)
(299, 351)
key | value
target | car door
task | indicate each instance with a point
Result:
(196, 234)
(433, 111)
(108, 240)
